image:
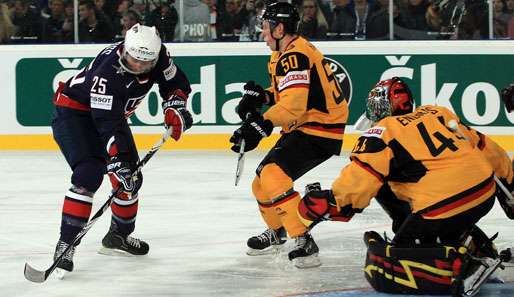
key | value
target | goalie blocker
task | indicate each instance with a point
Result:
(429, 269)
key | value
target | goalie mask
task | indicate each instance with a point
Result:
(390, 97)
(140, 49)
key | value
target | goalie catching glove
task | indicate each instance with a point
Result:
(252, 131)
(320, 205)
(176, 116)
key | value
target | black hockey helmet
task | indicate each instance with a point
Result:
(282, 12)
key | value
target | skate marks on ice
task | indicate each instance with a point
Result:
(487, 290)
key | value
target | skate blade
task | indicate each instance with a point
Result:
(275, 249)
(472, 285)
(307, 262)
(114, 252)
(60, 273)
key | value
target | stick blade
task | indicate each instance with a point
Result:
(33, 274)
(240, 162)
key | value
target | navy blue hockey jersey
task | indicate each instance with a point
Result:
(111, 94)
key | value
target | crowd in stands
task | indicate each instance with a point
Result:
(105, 21)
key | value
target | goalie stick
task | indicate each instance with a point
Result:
(38, 276)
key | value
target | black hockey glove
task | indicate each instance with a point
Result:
(507, 95)
(252, 131)
(120, 175)
(252, 101)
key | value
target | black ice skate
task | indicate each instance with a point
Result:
(305, 252)
(114, 243)
(66, 263)
(268, 242)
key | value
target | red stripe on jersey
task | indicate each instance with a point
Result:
(464, 200)
(124, 212)
(368, 169)
(330, 130)
(77, 209)
(64, 101)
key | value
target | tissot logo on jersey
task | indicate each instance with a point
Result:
(99, 101)
(294, 78)
(374, 132)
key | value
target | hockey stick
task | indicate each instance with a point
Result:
(454, 126)
(240, 161)
(241, 157)
(38, 276)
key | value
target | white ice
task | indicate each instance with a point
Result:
(196, 222)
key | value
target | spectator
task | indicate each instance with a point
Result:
(6, 25)
(249, 14)
(68, 27)
(94, 27)
(213, 12)
(313, 24)
(509, 7)
(52, 26)
(366, 20)
(342, 21)
(117, 20)
(197, 20)
(412, 20)
(434, 19)
(107, 10)
(27, 22)
(501, 19)
(165, 19)
(143, 8)
(229, 22)
(130, 18)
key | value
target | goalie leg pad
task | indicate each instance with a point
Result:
(419, 270)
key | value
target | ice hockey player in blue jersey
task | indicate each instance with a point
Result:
(90, 126)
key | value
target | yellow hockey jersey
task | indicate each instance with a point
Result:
(439, 171)
(307, 94)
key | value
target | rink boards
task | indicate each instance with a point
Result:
(187, 142)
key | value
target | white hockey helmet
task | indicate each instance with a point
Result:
(143, 44)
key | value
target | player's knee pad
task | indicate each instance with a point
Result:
(257, 190)
(88, 174)
(274, 181)
(268, 213)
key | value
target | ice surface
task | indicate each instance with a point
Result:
(196, 223)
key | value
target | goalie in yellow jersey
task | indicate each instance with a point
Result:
(434, 177)
(307, 102)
